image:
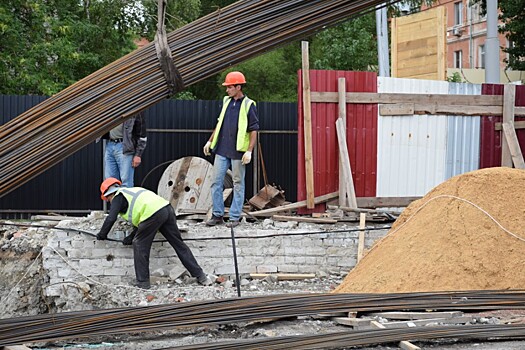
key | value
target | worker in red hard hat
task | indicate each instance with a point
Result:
(232, 141)
(148, 213)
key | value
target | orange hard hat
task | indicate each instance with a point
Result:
(109, 186)
(234, 78)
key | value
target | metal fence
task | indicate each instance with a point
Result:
(176, 129)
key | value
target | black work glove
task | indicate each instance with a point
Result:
(101, 237)
(128, 240)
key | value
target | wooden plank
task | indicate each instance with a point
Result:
(385, 202)
(441, 31)
(283, 276)
(406, 345)
(362, 210)
(385, 98)
(394, 45)
(358, 323)
(514, 146)
(296, 205)
(341, 93)
(307, 124)
(509, 98)
(517, 125)
(397, 109)
(361, 241)
(304, 219)
(345, 158)
(399, 315)
(424, 322)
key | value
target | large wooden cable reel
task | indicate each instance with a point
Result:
(186, 183)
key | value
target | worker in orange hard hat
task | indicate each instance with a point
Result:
(232, 141)
(148, 213)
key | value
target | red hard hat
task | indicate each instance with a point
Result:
(105, 186)
(234, 78)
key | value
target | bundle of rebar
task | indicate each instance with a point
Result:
(68, 121)
(194, 314)
(343, 340)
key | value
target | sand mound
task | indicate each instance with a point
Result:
(443, 242)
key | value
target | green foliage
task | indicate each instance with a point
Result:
(178, 14)
(208, 6)
(269, 77)
(455, 78)
(349, 46)
(513, 18)
(46, 46)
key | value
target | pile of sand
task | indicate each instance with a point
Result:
(444, 243)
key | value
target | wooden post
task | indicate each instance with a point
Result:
(347, 169)
(343, 201)
(514, 146)
(361, 242)
(307, 123)
(508, 117)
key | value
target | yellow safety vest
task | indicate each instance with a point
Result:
(142, 204)
(243, 137)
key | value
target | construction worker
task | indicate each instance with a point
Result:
(232, 141)
(126, 143)
(148, 213)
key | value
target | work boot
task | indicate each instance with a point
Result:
(142, 285)
(215, 220)
(205, 280)
(232, 223)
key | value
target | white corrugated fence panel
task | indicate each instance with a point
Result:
(463, 136)
(411, 149)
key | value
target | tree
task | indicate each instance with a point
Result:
(513, 18)
(46, 45)
(351, 45)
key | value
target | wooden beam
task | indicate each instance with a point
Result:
(517, 125)
(514, 146)
(362, 210)
(345, 159)
(389, 98)
(361, 241)
(432, 109)
(509, 97)
(296, 205)
(304, 219)
(307, 124)
(283, 276)
(341, 92)
(397, 109)
(385, 202)
(414, 315)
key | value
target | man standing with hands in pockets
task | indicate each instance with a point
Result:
(232, 141)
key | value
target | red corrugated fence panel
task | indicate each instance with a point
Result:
(490, 148)
(361, 135)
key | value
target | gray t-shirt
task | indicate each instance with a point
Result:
(116, 132)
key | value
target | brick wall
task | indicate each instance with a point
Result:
(76, 257)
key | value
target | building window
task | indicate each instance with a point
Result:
(474, 12)
(458, 13)
(458, 57)
(481, 56)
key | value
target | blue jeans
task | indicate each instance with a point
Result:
(117, 164)
(220, 167)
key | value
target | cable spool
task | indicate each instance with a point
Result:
(186, 184)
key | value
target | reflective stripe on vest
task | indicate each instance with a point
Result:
(243, 137)
(142, 204)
